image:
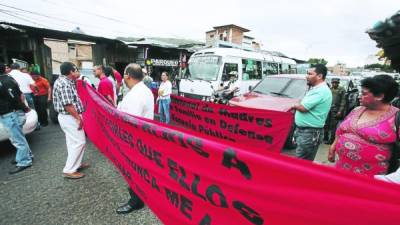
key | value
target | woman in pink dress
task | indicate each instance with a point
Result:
(364, 139)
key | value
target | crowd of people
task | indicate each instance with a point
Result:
(363, 143)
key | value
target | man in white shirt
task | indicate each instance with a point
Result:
(233, 85)
(25, 82)
(139, 101)
(230, 88)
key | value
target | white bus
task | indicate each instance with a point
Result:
(209, 68)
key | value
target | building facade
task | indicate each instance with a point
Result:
(230, 36)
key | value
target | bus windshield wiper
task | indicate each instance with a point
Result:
(259, 92)
(279, 94)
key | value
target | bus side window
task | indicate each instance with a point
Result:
(285, 68)
(270, 68)
(251, 69)
(292, 69)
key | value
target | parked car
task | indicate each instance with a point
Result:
(29, 126)
(276, 92)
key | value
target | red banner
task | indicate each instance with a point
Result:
(185, 179)
(253, 129)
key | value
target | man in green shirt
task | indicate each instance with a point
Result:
(311, 113)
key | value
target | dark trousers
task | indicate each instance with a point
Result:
(330, 126)
(134, 198)
(41, 109)
(29, 100)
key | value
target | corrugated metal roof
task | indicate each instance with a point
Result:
(164, 42)
(49, 33)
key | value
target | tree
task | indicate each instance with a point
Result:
(314, 61)
(384, 68)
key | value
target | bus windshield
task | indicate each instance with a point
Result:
(204, 67)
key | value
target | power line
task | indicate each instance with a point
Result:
(21, 18)
(32, 19)
(57, 18)
(106, 17)
(54, 22)
(82, 24)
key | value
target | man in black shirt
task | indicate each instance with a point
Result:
(10, 102)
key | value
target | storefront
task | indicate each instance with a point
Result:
(155, 66)
(164, 54)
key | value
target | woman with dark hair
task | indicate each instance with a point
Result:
(164, 98)
(108, 71)
(364, 139)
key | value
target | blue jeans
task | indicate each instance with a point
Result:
(308, 141)
(12, 123)
(163, 109)
(29, 99)
(21, 117)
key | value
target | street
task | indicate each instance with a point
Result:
(40, 195)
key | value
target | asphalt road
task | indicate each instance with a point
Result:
(41, 196)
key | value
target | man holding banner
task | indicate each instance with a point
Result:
(311, 113)
(139, 101)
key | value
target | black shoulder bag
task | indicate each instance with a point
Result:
(394, 160)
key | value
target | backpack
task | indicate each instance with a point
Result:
(394, 160)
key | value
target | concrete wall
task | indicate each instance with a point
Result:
(62, 51)
(59, 53)
(237, 36)
(233, 35)
(210, 37)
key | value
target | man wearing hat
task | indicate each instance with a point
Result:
(233, 85)
(337, 110)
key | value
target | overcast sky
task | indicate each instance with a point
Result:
(334, 30)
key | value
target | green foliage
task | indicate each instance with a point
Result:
(384, 68)
(314, 61)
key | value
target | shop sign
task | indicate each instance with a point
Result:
(164, 62)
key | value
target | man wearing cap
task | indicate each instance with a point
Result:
(231, 88)
(337, 110)
(233, 85)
